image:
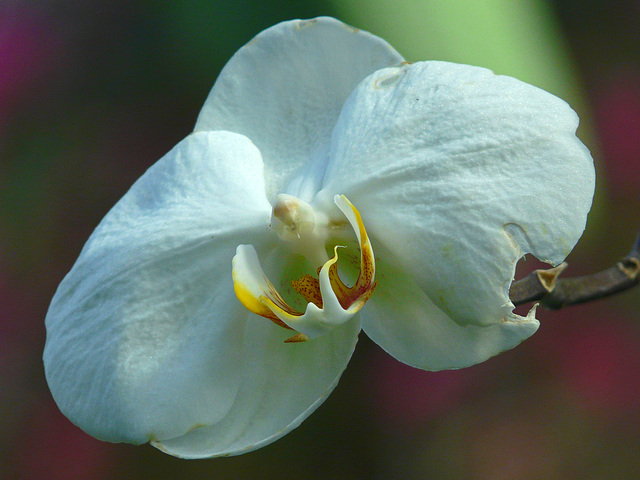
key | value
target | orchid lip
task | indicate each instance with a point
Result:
(330, 302)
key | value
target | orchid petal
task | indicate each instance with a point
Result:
(460, 173)
(403, 320)
(146, 341)
(143, 325)
(285, 89)
(286, 383)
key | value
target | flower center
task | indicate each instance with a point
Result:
(304, 229)
(330, 302)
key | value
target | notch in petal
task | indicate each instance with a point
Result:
(460, 173)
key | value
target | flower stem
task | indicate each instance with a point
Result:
(553, 292)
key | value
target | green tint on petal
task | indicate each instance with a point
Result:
(403, 320)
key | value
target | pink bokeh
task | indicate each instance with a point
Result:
(594, 355)
(617, 110)
(28, 50)
(405, 397)
(50, 447)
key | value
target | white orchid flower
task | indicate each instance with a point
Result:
(329, 187)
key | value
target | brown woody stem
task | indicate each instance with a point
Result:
(553, 292)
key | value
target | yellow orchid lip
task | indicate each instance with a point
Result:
(330, 302)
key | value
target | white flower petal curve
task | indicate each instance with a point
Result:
(141, 337)
(460, 172)
(402, 319)
(146, 341)
(287, 383)
(284, 90)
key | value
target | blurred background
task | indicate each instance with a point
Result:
(93, 92)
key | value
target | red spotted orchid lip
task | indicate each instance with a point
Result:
(330, 301)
